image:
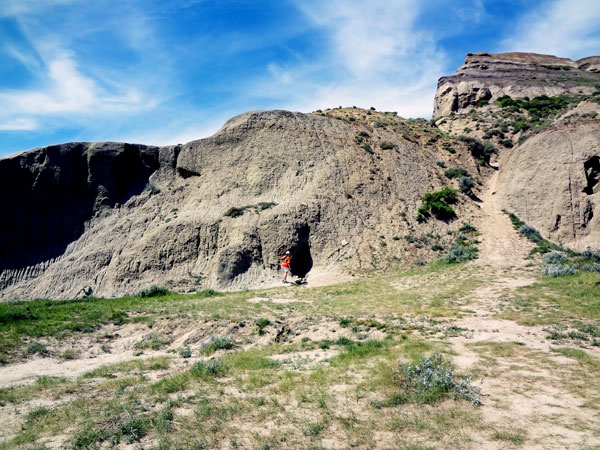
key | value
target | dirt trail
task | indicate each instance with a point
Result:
(503, 258)
(501, 246)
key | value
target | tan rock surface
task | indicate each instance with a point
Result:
(488, 76)
(552, 183)
(311, 186)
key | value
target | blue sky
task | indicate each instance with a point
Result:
(165, 72)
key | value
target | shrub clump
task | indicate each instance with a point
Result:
(480, 150)
(217, 343)
(438, 204)
(385, 145)
(456, 172)
(460, 253)
(211, 368)
(466, 227)
(153, 291)
(591, 255)
(530, 233)
(595, 267)
(466, 185)
(558, 270)
(430, 380)
(554, 257)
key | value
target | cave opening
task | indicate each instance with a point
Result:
(302, 261)
(592, 174)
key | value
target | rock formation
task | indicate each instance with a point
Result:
(550, 178)
(339, 188)
(552, 182)
(485, 77)
(217, 212)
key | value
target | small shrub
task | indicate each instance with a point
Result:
(430, 380)
(379, 124)
(205, 293)
(152, 341)
(217, 343)
(466, 227)
(437, 248)
(480, 150)
(530, 233)
(449, 148)
(460, 253)
(234, 212)
(37, 347)
(211, 368)
(595, 267)
(386, 145)
(438, 204)
(265, 205)
(558, 270)
(262, 324)
(466, 185)
(69, 354)
(554, 257)
(591, 255)
(153, 291)
(368, 148)
(456, 172)
(442, 164)
(185, 352)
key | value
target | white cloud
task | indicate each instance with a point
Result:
(66, 90)
(566, 28)
(19, 124)
(374, 55)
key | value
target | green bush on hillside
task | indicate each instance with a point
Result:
(482, 151)
(437, 204)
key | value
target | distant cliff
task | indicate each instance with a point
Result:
(485, 77)
(543, 112)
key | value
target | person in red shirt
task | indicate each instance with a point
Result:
(285, 265)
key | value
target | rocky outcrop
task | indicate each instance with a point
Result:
(552, 182)
(485, 77)
(216, 212)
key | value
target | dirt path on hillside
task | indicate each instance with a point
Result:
(501, 246)
(505, 264)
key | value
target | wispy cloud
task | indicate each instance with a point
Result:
(19, 124)
(373, 54)
(567, 28)
(65, 84)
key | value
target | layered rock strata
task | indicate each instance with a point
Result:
(484, 77)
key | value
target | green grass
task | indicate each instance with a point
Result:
(137, 365)
(589, 362)
(555, 300)
(256, 395)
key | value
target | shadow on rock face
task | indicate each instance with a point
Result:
(50, 193)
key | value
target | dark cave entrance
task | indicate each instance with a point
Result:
(592, 174)
(301, 259)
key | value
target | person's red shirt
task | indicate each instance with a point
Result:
(285, 261)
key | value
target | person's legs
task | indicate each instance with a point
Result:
(285, 273)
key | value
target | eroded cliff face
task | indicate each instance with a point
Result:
(550, 178)
(552, 182)
(118, 218)
(485, 77)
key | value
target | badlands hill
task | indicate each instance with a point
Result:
(340, 188)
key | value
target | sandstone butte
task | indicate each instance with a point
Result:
(340, 188)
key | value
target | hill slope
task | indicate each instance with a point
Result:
(218, 212)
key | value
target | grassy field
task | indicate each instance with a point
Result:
(370, 363)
